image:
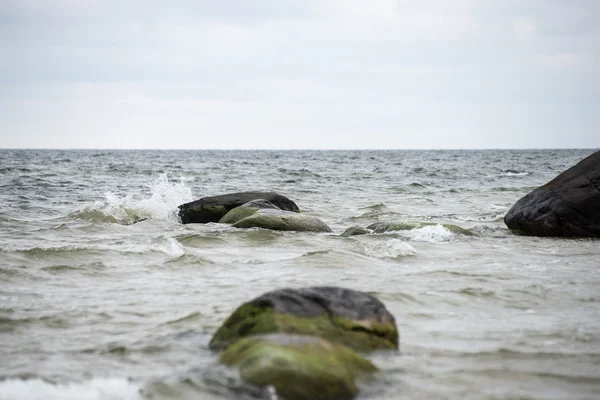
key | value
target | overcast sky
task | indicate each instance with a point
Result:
(287, 74)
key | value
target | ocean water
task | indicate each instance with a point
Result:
(93, 306)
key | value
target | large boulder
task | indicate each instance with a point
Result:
(212, 209)
(348, 317)
(568, 205)
(278, 220)
(298, 367)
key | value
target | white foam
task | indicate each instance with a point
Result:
(510, 173)
(164, 198)
(430, 234)
(170, 247)
(392, 248)
(94, 389)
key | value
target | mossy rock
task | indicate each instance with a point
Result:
(298, 367)
(348, 317)
(246, 210)
(280, 220)
(381, 227)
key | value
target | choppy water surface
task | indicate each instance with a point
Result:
(93, 307)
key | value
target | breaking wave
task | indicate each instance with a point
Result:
(512, 172)
(165, 197)
(430, 234)
(394, 248)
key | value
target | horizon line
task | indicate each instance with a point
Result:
(298, 149)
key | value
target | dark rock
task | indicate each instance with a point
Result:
(568, 205)
(344, 316)
(299, 367)
(212, 209)
(354, 231)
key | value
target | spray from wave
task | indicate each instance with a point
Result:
(165, 196)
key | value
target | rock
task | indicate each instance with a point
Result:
(381, 227)
(278, 220)
(212, 209)
(568, 205)
(298, 367)
(246, 210)
(348, 317)
(354, 231)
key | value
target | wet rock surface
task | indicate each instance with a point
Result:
(348, 317)
(212, 209)
(568, 205)
(298, 367)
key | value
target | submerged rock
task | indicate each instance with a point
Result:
(278, 220)
(354, 231)
(212, 209)
(298, 367)
(343, 316)
(381, 227)
(568, 205)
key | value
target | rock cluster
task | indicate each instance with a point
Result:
(266, 210)
(212, 209)
(305, 342)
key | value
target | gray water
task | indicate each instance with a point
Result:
(94, 307)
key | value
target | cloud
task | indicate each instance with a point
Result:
(316, 74)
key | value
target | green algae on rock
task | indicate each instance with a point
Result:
(381, 227)
(280, 220)
(246, 210)
(352, 318)
(299, 367)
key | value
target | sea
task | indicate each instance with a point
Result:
(105, 295)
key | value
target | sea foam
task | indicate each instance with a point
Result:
(429, 234)
(393, 248)
(165, 197)
(94, 389)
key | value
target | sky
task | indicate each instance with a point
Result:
(299, 74)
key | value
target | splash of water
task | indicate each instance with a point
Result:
(165, 196)
(430, 234)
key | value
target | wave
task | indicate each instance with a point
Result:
(375, 211)
(512, 172)
(302, 172)
(430, 234)
(485, 217)
(8, 324)
(162, 203)
(394, 248)
(421, 231)
(166, 245)
(459, 274)
(94, 389)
